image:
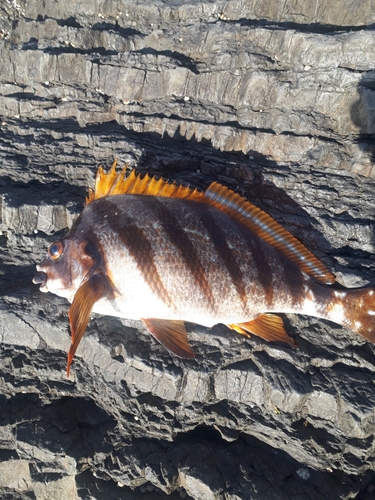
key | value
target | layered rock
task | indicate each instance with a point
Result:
(276, 103)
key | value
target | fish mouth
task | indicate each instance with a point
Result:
(41, 278)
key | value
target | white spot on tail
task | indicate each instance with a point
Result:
(337, 314)
(371, 293)
(339, 295)
(309, 307)
(371, 313)
(358, 324)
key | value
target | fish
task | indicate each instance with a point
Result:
(148, 249)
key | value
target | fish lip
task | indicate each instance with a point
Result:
(41, 278)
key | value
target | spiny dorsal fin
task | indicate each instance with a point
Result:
(223, 199)
(112, 183)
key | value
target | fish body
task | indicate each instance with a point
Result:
(186, 261)
(166, 254)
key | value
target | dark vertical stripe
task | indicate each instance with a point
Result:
(140, 249)
(137, 244)
(293, 279)
(219, 240)
(258, 250)
(290, 279)
(181, 241)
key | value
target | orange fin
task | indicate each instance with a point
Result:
(239, 329)
(223, 199)
(267, 326)
(116, 183)
(79, 313)
(172, 335)
(103, 183)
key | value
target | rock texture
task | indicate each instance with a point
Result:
(275, 101)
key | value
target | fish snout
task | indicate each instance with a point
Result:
(40, 278)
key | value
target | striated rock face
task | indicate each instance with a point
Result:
(274, 101)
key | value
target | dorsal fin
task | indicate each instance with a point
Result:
(267, 228)
(112, 183)
(223, 199)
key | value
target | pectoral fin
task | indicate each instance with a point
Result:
(172, 335)
(79, 313)
(267, 326)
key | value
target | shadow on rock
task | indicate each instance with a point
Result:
(363, 114)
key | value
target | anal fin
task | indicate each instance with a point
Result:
(171, 334)
(269, 327)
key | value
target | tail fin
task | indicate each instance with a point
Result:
(354, 309)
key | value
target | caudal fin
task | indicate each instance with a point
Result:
(354, 309)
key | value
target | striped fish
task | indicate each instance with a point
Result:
(164, 253)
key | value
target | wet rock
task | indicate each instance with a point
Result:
(276, 103)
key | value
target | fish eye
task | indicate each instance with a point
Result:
(56, 250)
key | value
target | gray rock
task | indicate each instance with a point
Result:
(276, 102)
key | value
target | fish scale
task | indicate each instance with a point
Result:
(179, 272)
(204, 273)
(164, 253)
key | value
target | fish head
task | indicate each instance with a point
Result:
(68, 264)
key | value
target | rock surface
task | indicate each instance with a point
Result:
(276, 102)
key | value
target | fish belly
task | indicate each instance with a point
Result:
(178, 259)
